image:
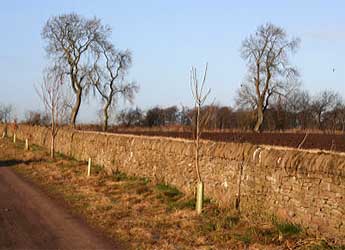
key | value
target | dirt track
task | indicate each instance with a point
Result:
(31, 220)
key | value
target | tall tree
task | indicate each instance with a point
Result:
(71, 40)
(269, 71)
(108, 77)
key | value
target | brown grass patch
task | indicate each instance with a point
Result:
(150, 215)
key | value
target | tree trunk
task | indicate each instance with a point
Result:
(197, 145)
(319, 121)
(259, 120)
(200, 184)
(106, 116)
(76, 107)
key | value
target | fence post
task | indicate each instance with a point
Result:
(89, 168)
(26, 144)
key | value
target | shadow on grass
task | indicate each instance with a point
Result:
(13, 162)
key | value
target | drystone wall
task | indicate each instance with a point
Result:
(306, 187)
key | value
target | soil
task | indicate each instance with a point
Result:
(29, 219)
(334, 142)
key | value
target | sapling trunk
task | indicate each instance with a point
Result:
(199, 98)
(53, 134)
(200, 184)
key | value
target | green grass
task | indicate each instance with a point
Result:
(73, 197)
(288, 228)
(61, 156)
(96, 169)
(230, 221)
(119, 176)
(173, 197)
(208, 227)
(35, 148)
(168, 191)
(190, 204)
(246, 238)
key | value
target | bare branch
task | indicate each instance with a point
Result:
(199, 100)
(56, 103)
(108, 77)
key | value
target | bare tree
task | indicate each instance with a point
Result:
(184, 117)
(323, 102)
(299, 104)
(155, 117)
(71, 40)
(342, 117)
(109, 81)
(55, 102)
(36, 118)
(269, 71)
(199, 97)
(6, 112)
(223, 117)
(158, 116)
(131, 117)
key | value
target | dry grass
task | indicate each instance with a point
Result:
(149, 215)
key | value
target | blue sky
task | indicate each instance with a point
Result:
(167, 38)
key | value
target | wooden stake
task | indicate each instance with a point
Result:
(3, 134)
(89, 168)
(26, 144)
(14, 138)
(199, 197)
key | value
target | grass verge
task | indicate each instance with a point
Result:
(151, 215)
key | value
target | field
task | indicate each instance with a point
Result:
(313, 140)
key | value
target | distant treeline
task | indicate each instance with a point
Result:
(277, 117)
(324, 111)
